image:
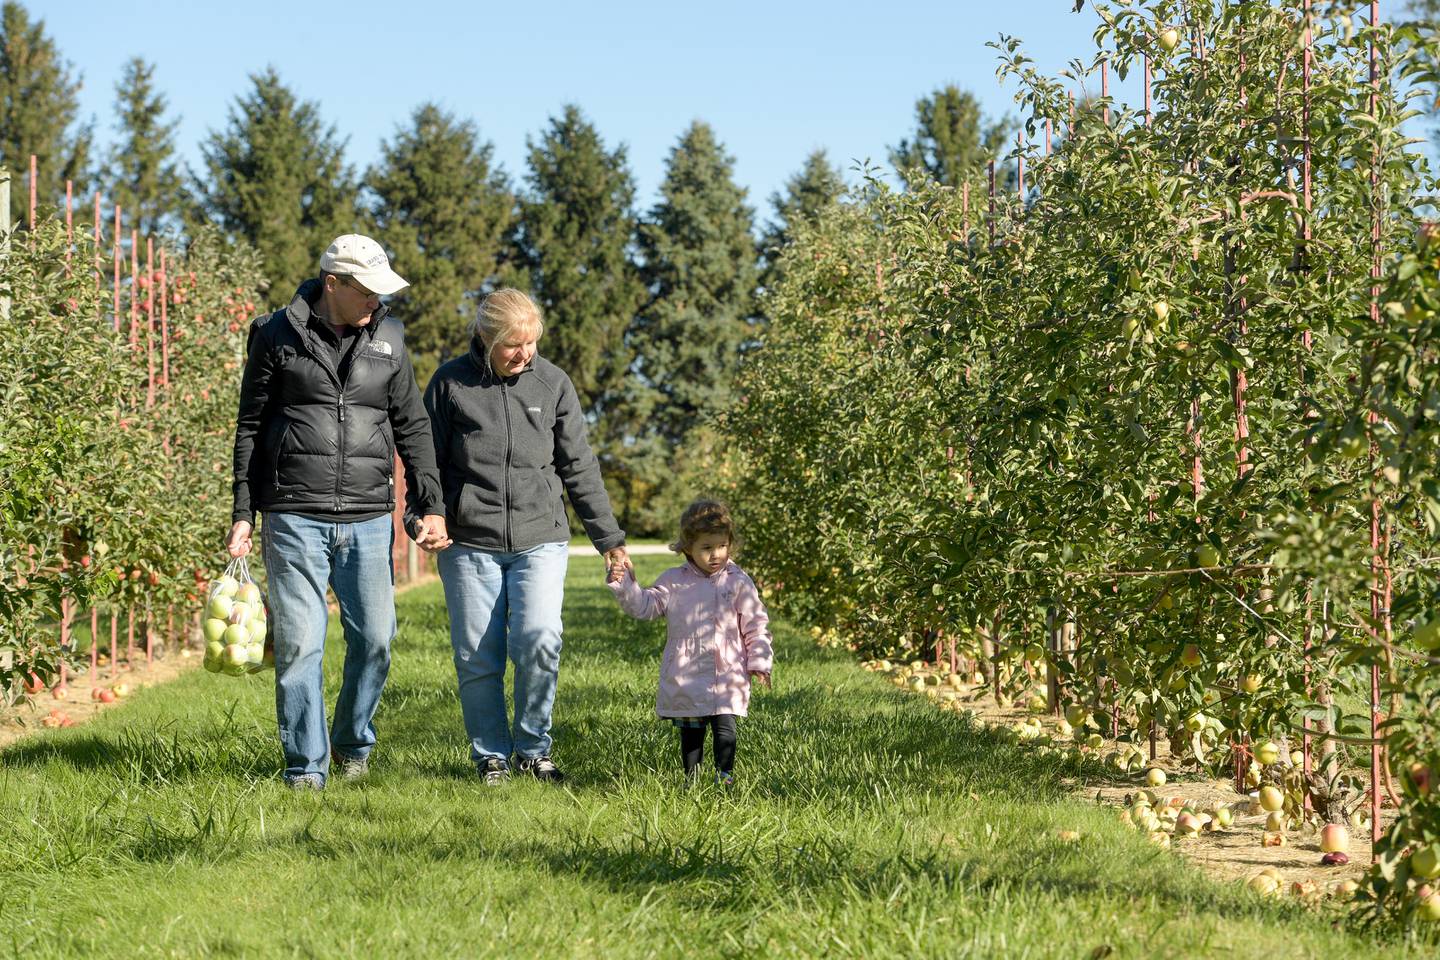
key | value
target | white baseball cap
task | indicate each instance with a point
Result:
(354, 255)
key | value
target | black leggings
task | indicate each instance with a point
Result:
(692, 743)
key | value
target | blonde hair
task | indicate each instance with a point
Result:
(704, 517)
(505, 312)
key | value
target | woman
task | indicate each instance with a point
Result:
(509, 433)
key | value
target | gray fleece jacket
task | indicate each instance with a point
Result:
(505, 447)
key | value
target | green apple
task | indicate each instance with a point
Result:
(257, 631)
(1250, 683)
(226, 586)
(1169, 39)
(236, 634)
(220, 607)
(213, 629)
(248, 593)
(1425, 862)
(1155, 777)
(1271, 799)
(1207, 556)
(234, 658)
(1190, 655)
(1267, 753)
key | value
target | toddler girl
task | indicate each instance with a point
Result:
(716, 635)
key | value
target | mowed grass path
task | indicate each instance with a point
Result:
(865, 824)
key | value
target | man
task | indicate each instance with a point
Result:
(327, 399)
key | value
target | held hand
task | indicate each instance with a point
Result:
(238, 542)
(433, 536)
(614, 573)
(762, 676)
(617, 557)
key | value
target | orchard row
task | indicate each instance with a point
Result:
(1167, 419)
(119, 371)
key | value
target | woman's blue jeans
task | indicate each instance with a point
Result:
(506, 604)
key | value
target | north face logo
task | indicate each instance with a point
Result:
(380, 346)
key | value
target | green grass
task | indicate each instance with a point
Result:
(865, 824)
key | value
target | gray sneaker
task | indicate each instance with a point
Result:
(349, 768)
(306, 781)
(494, 772)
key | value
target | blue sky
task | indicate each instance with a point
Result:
(775, 79)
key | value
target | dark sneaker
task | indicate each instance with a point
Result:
(541, 768)
(306, 781)
(494, 772)
(349, 768)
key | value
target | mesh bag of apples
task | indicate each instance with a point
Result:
(234, 624)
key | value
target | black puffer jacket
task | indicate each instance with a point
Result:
(306, 444)
(506, 446)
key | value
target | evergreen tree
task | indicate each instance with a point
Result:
(38, 110)
(952, 141)
(444, 211)
(278, 180)
(698, 252)
(142, 174)
(572, 246)
(699, 266)
(817, 186)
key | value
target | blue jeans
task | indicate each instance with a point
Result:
(302, 558)
(506, 603)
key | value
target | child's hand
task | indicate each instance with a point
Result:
(763, 677)
(615, 572)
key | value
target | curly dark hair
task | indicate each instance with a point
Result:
(705, 517)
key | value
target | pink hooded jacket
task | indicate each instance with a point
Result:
(717, 632)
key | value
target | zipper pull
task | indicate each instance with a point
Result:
(342, 409)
